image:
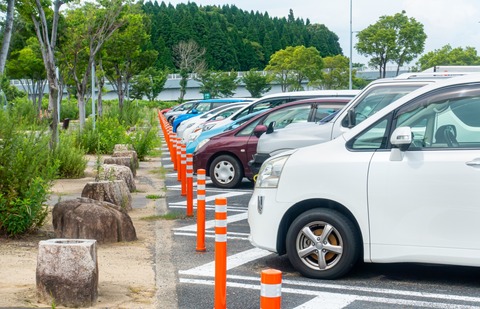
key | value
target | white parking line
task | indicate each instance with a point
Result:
(211, 223)
(232, 262)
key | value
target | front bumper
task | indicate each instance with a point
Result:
(264, 218)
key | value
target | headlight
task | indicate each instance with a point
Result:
(194, 136)
(270, 172)
(201, 144)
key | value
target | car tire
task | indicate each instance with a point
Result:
(226, 172)
(339, 248)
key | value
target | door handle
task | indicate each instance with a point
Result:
(474, 162)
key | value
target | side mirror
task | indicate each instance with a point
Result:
(194, 111)
(259, 130)
(271, 127)
(351, 118)
(401, 138)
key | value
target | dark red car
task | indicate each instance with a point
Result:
(225, 156)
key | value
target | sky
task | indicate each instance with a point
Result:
(454, 22)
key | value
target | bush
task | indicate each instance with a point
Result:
(70, 157)
(27, 169)
(102, 140)
(144, 140)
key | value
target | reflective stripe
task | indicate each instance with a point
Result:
(201, 197)
(189, 174)
(221, 237)
(221, 208)
(271, 290)
(220, 223)
(200, 186)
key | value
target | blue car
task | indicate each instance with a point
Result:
(203, 106)
(205, 135)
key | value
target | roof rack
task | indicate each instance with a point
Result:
(423, 75)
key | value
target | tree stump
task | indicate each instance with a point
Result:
(67, 272)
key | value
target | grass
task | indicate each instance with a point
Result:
(167, 216)
(154, 196)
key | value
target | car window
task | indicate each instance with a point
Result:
(286, 116)
(373, 138)
(202, 107)
(248, 130)
(376, 99)
(446, 119)
(322, 112)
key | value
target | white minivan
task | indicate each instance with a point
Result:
(399, 187)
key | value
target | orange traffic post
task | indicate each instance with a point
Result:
(201, 176)
(189, 184)
(179, 159)
(174, 154)
(271, 289)
(220, 253)
(183, 169)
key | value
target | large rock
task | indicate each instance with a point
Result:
(122, 147)
(115, 192)
(127, 153)
(67, 272)
(117, 172)
(125, 161)
(86, 218)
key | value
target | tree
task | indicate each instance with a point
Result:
(396, 39)
(189, 58)
(47, 37)
(218, 84)
(27, 64)
(148, 83)
(125, 53)
(87, 28)
(293, 65)
(7, 34)
(335, 74)
(449, 56)
(257, 83)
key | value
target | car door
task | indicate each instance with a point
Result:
(425, 207)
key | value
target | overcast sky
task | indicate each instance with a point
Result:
(454, 22)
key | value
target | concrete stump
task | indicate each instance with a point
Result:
(127, 153)
(67, 272)
(125, 161)
(115, 192)
(122, 147)
(118, 172)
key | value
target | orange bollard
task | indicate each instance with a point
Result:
(174, 154)
(220, 253)
(179, 159)
(189, 184)
(183, 169)
(271, 289)
(201, 210)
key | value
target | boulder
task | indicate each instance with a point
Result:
(115, 192)
(117, 172)
(125, 161)
(86, 218)
(122, 147)
(67, 272)
(127, 153)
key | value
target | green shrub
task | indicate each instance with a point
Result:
(70, 157)
(144, 140)
(26, 171)
(69, 109)
(108, 132)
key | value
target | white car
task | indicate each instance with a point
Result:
(221, 112)
(399, 187)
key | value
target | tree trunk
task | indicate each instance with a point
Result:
(7, 35)
(100, 83)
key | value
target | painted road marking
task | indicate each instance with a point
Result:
(211, 223)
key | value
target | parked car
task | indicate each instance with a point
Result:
(203, 106)
(373, 98)
(221, 112)
(198, 141)
(225, 156)
(179, 109)
(277, 99)
(401, 186)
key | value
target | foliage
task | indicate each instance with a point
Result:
(143, 140)
(189, 58)
(11, 92)
(396, 38)
(293, 65)
(218, 84)
(69, 109)
(335, 75)
(101, 140)
(149, 83)
(257, 83)
(449, 56)
(26, 171)
(71, 158)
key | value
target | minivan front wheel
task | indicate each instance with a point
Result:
(322, 244)
(226, 172)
